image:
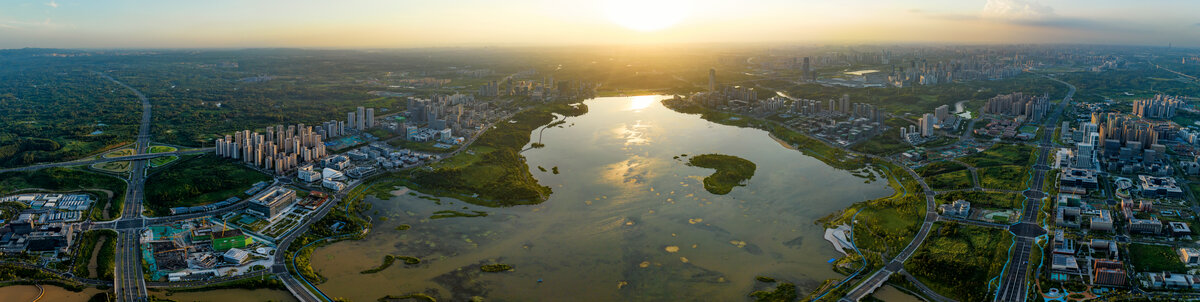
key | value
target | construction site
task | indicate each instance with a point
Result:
(202, 249)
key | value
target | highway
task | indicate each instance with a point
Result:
(105, 160)
(1013, 284)
(129, 282)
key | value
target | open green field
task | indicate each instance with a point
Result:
(119, 153)
(197, 181)
(1002, 154)
(85, 250)
(160, 161)
(886, 143)
(731, 172)
(940, 167)
(112, 166)
(493, 168)
(161, 149)
(960, 179)
(1009, 177)
(1155, 258)
(957, 261)
(381, 133)
(109, 190)
(985, 199)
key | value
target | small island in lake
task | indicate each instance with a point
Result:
(731, 171)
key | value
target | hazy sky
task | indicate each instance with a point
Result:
(410, 23)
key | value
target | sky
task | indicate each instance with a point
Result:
(452, 23)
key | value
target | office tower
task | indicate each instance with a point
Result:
(350, 119)
(927, 121)
(361, 121)
(712, 80)
(846, 103)
(942, 112)
(370, 117)
(807, 71)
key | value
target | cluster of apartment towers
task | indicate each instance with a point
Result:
(282, 149)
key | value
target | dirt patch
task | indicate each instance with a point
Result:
(95, 254)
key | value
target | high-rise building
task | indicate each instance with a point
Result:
(712, 80)
(361, 123)
(370, 117)
(942, 112)
(927, 122)
(350, 119)
(808, 75)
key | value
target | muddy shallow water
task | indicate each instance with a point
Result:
(627, 221)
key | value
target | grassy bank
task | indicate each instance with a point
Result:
(492, 171)
(884, 226)
(86, 245)
(1003, 166)
(958, 260)
(197, 181)
(731, 171)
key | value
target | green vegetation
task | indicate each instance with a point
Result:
(1002, 154)
(118, 153)
(940, 167)
(197, 181)
(113, 167)
(1004, 177)
(495, 268)
(388, 260)
(85, 245)
(161, 149)
(492, 172)
(269, 282)
(950, 181)
(886, 225)
(412, 296)
(349, 212)
(9, 210)
(1155, 258)
(731, 171)
(12, 274)
(1004, 166)
(110, 191)
(765, 279)
(959, 260)
(886, 143)
(162, 160)
(984, 199)
(403, 227)
(452, 213)
(784, 292)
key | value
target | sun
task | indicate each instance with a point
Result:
(646, 15)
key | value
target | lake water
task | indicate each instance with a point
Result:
(626, 222)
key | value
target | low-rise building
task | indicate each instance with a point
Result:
(1155, 187)
(1189, 255)
(1108, 272)
(960, 208)
(1079, 178)
(273, 201)
(1179, 228)
(228, 239)
(1101, 222)
(236, 256)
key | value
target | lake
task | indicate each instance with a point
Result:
(627, 220)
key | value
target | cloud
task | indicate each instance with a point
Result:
(1197, 24)
(52, 4)
(1017, 10)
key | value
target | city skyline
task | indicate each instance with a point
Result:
(404, 24)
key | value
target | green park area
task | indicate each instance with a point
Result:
(958, 261)
(884, 226)
(492, 171)
(732, 171)
(109, 191)
(94, 253)
(160, 161)
(946, 175)
(1003, 166)
(197, 181)
(1155, 258)
(995, 200)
